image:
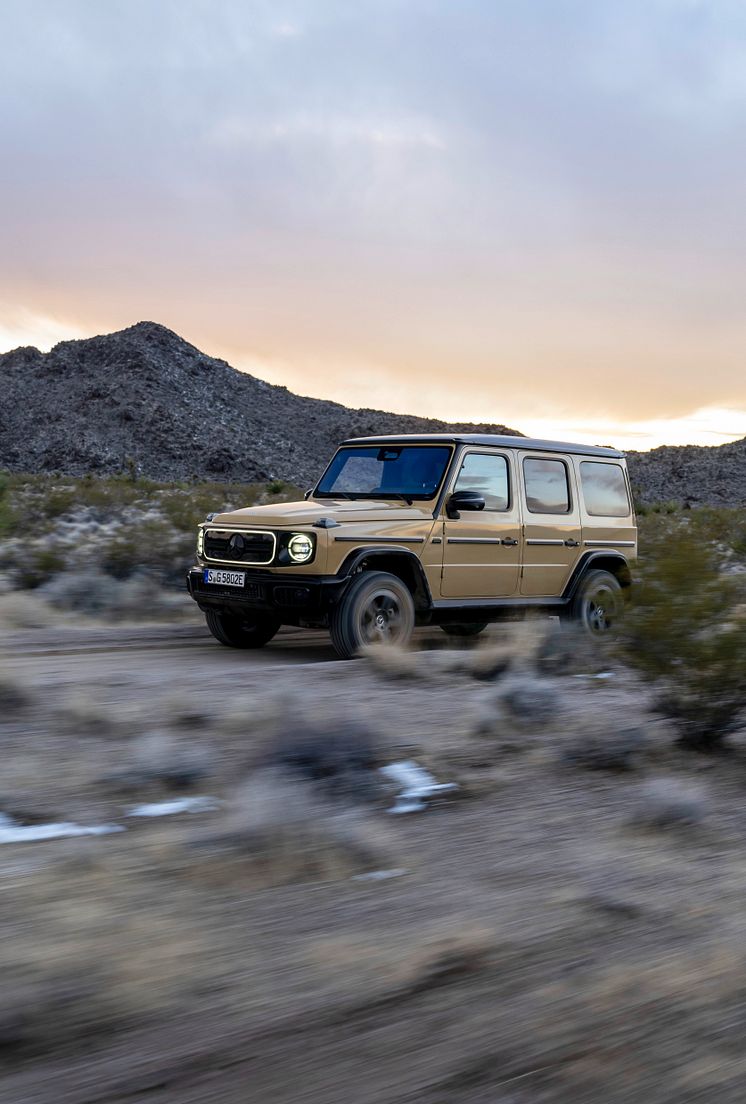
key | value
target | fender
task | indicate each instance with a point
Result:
(587, 560)
(417, 580)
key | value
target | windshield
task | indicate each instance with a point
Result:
(389, 471)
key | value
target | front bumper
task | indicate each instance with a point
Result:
(289, 596)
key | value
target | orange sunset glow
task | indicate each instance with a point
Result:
(526, 214)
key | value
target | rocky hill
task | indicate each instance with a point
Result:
(691, 475)
(145, 396)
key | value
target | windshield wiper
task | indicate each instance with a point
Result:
(398, 494)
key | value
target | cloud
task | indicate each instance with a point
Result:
(532, 210)
(286, 29)
(336, 129)
(20, 326)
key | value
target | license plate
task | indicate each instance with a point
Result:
(224, 578)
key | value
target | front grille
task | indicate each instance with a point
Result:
(247, 546)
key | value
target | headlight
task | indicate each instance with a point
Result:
(200, 541)
(300, 548)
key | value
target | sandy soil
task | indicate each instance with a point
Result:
(551, 933)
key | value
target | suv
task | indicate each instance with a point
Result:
(455, 530)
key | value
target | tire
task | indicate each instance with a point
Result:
(598, 605)
(466, 629)
(376, 608)
(251, 631)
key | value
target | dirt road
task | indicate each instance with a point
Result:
(531, 940)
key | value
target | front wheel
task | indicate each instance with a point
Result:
(599, 604)
(252, 630)
(376, 608)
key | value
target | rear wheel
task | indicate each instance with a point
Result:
(465, 629)
(599, 604)
(251, 630)
(376, 608)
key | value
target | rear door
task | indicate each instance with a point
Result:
(481, 549)
(551, 523)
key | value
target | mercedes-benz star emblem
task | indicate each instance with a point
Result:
(237, 545)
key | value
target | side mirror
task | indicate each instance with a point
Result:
(464, 500)
(308, 494)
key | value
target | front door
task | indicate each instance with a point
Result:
(551, 531)
(481, 548)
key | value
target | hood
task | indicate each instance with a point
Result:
(281, 514)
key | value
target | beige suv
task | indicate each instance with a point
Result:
(456, 530)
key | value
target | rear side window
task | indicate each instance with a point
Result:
(547, 487)
(489, 476)
(604, 489)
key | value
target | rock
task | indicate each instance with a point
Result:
(612, 750)
(528, 702)
(669, 803)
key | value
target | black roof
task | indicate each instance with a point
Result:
(489, 439)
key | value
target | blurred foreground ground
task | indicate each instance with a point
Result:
(569, 926)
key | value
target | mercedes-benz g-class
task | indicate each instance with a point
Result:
(456, 530)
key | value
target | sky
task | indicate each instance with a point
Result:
(528, 212)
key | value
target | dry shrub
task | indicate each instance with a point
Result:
(521, 706)
(80, 714)
(15, 695)
(338, 757)
(159, 761)
(245, 715)
(89, 948)
(669, 803)
(683, 637)
(25, 611)
(277, 830)
(411, 961)
(602, 746)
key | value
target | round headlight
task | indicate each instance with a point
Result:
(200, 541)
(300, 548)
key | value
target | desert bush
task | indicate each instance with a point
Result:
(6, 513)
(39, 565)
(340, 758)
(125, 524)
(14, 695)
(668, 803)
(597, 746)
(80, 714)
(276, 830)
(685, 634)
(25, 611)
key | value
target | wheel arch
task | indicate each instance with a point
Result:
(401, 562)
(613, 562)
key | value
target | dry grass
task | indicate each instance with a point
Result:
(25, 611)
(276, 830)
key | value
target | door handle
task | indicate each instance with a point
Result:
(572, 544)
(509, 541)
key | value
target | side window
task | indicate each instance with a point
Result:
(547, 489)
(604, 489)
(489, 476)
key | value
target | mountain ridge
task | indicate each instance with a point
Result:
(145, 396)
